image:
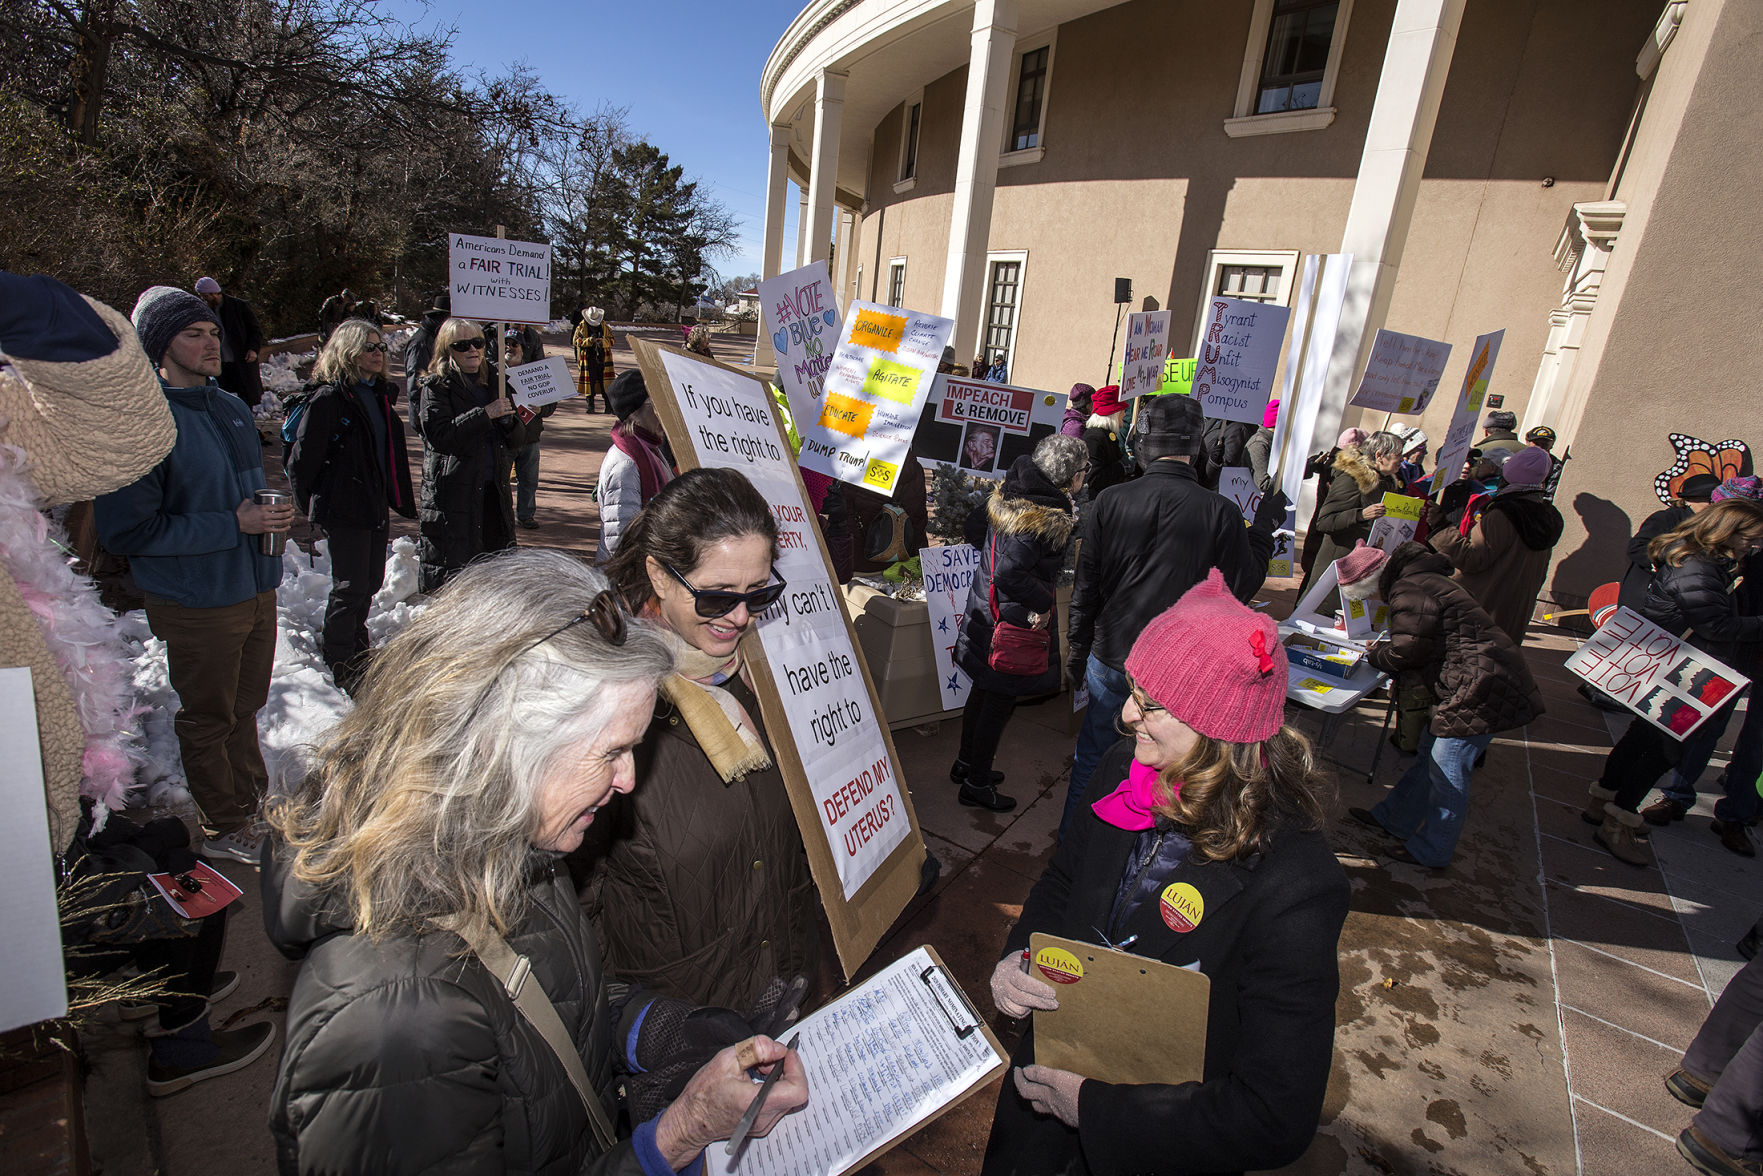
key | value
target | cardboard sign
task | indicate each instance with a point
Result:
(1402, 373)
(1147, 346)
(980, 428)
(497, 280)
(948, 574)
(828, 735)
(1454, 449)
(800, 314)
(1661, 678)
(534, 385)
(1237, 484)
(33, 979)
(875, 391)
(1239, 352)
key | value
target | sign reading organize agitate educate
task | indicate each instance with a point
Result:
(495, 280)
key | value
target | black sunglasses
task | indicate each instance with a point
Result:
(374, 347)
(602, 612)
(711, 603)
(469, 345)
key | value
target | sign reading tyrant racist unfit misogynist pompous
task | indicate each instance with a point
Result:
(798, 312)
(979, 427)
(1239, 352)
(875, 390)
(1663, 679)
(494, 280)
(828, 734)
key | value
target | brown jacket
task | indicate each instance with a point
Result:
(697, 888)
(1478, 677)
(1341, 517)
(1505, 557)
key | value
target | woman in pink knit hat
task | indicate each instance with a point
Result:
(1199, 845)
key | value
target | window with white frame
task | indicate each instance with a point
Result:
(897, 281)
(1004, 273)
(1025, 122)
(911, 122)
(1290, 65)
(1252, 275)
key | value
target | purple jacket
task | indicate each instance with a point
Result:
(1073, 424)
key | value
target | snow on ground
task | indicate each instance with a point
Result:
(303, 702)
(278, 371)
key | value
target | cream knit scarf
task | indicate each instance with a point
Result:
(724, 730)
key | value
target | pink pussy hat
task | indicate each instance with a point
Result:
(1214, 664)
(1360, 563)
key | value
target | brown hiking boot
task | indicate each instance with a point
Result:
(1687, 1089)
(1663, 811)
(1710, 1158)
(1617, 834)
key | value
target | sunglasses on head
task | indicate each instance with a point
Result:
(711, 603)
(602, 612)
(469, 345)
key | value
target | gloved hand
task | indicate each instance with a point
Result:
(1015, 992)
(1271, 513)
(1076, 666)
(666, 1041)
(1049, 1091)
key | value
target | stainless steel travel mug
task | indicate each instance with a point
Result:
(271, 542)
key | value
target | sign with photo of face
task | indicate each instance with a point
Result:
(980, 428)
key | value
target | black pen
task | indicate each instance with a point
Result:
(752, 1113)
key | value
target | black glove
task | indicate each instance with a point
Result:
(673, 1039)
(1075, 669)
(1272, 512)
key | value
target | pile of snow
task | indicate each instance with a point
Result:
(396, 338)
(559, 327)
(303, 701)
(270, 409)
(278, 371)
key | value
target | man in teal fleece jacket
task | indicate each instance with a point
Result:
(190, 530)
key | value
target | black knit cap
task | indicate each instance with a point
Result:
(628, 393)
(1169, 426)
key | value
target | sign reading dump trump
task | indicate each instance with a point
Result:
(1661, 678)
(980, 428)
(827, 731)
(495, 280)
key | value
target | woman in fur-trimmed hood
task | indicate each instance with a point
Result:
(1363, 475)
(1021, 537)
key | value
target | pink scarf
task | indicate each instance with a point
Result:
(1131, 806)
(645, 454)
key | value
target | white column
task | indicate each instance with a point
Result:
(976, 168)
(1423, 37)
(802, 230)
(823, 171)
(848, 270)
(777, 190)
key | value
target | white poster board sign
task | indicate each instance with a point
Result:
(534, 385)
(948, 574)
(798, 311)
(1239, 349)
(33, 979)
(979, 427)
(1454, 449)
(1399, 522)
(1300, 419)
(1238, 484)
(1661, 678)
(1402, 373)
(875, 390)
(1147, 346)
(804, 637)
(494, 280)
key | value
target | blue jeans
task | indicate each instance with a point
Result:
(1108, 691)
(1428, 805)
(526, 481)
(1739, 781)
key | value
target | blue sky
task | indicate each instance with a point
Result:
(687, 70)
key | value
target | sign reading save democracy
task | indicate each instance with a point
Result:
(1240, 343)
(494, 280)
(948, 574)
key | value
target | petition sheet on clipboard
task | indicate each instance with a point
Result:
(881, 1059)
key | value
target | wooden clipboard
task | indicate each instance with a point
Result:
(1121, 1018)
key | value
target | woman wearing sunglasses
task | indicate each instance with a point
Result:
(700, 886)
(1199, 844)
(469, 436)
(348, 469)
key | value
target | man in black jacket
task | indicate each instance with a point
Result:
(241, 338)
(1143, 543)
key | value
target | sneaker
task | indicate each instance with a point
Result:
(529, 524)
(985, 796)
(959, 774)
(1732, 835)
(1709, 1157)
(225, 984)
(241, 845)
(1664, 811)
(1686, 1088)
(238, 1049)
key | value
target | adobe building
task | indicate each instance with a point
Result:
(1581, 173)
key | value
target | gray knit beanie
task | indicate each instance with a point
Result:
(1169, 426)
(161, 312)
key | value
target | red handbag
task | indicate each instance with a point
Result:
(1016, 650)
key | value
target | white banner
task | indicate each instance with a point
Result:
(494, 280)
(799, 313)
(1454, 449)
(533, 385)
(1288, 377)
(875, 390)
(807, 647)
(1402, 373)
(1331, 293)
(1661, 678)
(948, 574)
(1147, 347)
(1239, 352)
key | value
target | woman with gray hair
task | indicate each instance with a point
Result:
(1363, 475)
(450, 1013)
(1021, 537)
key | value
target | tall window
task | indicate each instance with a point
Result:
(1031, 90)
(909, 165)
(896, 283)
(1292, 69)
(1254, 283)
(1003, 296)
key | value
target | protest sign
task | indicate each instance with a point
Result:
(1288, 377)
(1147, 346)
(1239, 352)
(496, 280)
(1298, 420)
(802, 318)
(533, 385)
(1402, 373)
(1661, 678)
(1237, 484)
(1401, 518)
(1454, 449)
(979, 427)
(948, 574)
(1178, 376)
(875, 390)
(828, 735)
(33, 977)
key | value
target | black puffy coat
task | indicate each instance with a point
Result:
(1633, 593)
(467, 505)
(1267, 941)
(405, 1056)
(1021, 539)
(1477, 675)
(1696, 597)
(339, 476)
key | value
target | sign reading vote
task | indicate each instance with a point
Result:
(1661, 678)
(948, 574)
(1239, 351)
(803, 322)
(496, 280)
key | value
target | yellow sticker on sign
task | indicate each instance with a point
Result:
(1059, 965)
(888, 380)
(880, 331)
(845, 414)
(881, 473)
(1182, 907)
(1313, 684)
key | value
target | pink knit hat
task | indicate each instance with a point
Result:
(1215, 665)
(1360, 562)
(1270, 414)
